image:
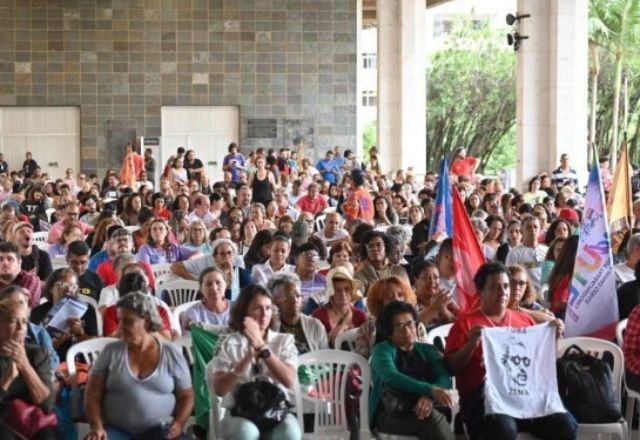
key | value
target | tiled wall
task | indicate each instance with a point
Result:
(124, 59)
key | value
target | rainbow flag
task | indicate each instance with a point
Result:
(593, 304)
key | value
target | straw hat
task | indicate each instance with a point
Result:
(342, 273)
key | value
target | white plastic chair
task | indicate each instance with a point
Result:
(42, 245)
(132, 229)
(186, 343)
(48, 212)
(59, 262)
(348, 337)
(90, 350)
(439, 334)
(40, 237)
(632, 395)
(620, 329)
(597, 348)
(330, 420)
(320, 222)
(181, 309)
(217, 411)
(94, 305)
(162, 274)
(180, 292)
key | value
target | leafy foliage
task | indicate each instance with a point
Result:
(614, 27)
(369, 137)
(471, 97)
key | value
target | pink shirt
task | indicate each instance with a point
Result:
(56, 230)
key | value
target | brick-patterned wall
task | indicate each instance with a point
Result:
(124, 59)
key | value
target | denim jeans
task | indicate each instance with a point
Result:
(559, 426)
(239, 428)
(151, 434)
(433, 427)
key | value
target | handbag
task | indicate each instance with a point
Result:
(396, 402)
(585, 384)
(261, 402)
(26, 419)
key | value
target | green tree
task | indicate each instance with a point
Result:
(471, 98)
(617, 24)
(369, 137)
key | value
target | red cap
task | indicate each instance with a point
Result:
(569, 214)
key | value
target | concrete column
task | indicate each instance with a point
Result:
(552, 87)
(359, 73)
(402, 84)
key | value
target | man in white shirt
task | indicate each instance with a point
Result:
(201, 212)
(284, 208)
(530, 254)
(332, 232)
(625, 271)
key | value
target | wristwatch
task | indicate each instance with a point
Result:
(264, 353)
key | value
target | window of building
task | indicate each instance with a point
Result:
(442, 27)
(369, 60)
(369, 98)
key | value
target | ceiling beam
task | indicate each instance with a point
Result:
(369, 9)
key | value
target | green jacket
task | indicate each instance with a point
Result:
(385, 372)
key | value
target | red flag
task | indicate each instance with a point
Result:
(467, 255)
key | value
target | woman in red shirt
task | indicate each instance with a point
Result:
(338, 314)
(560, 278)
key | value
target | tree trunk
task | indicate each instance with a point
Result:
(616, 111)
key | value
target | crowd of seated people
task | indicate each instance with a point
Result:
(287, 258)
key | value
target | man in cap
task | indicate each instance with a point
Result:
(33, 258)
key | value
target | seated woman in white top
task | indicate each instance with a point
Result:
(277, 262)
(254, 350)
(214, 307)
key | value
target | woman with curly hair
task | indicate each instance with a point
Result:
(381, 293)
(99, 235)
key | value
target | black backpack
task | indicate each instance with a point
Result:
(585, 384)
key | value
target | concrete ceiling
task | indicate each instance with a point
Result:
(369, 10)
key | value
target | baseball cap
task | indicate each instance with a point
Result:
(21, 225)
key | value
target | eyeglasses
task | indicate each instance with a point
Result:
(292, 297)
(519, 283)
(69, 287)
(410, 325)
(518, 359)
